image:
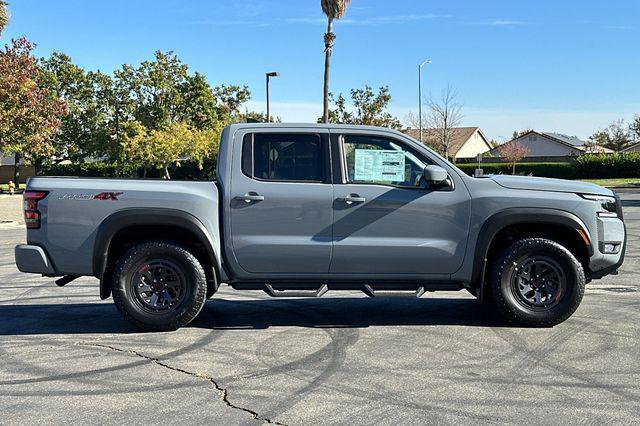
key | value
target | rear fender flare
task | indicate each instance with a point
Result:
(127, 218)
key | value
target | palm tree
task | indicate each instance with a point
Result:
(4, 15)
(334, 9)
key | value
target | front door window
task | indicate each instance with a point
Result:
(382, 161)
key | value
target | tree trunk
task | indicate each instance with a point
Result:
(513, 168)
(38, 166)
(16, 169)
(328, 45)
(165, 167)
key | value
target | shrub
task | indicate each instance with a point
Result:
(619, 165)
(187, 170)
(93, 169)
(554, 170)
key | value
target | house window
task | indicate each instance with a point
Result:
(533, 138)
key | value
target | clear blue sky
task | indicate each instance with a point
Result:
(568, 66)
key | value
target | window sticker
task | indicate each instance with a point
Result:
(379, 165)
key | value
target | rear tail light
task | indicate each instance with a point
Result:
(32, 216)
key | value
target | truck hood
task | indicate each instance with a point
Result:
(548, 184)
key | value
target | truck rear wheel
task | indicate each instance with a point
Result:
(159, 286)
(537, 282)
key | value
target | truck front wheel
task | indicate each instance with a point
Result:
(537, 282)
(159, 286)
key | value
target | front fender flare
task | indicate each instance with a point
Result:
(514, 216)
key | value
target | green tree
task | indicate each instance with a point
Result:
(517, 133)
(156, 87)
(598, 139)
(634, 128)
(84, 130)
(257, 117)
(4, 15)
(229, 99)
(369, 108)
(200, 105)
(163, 97)
(616, 136)
(155, 108)
(333, 9)
(162, 92)
(31, 113)
(160, 148)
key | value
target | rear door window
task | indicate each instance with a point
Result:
(288, 157)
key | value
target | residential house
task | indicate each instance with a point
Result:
(466, 142)
(634, 147)
(551, 146)
(7, 169)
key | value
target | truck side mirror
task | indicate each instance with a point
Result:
(435, 174)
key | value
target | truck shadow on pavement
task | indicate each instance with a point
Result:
(251, 314)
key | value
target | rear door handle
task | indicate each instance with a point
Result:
(251, 197)
(354, 198)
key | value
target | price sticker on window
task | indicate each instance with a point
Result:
(379, 165)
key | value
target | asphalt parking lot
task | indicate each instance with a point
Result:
(68, 357)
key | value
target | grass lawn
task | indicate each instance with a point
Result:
(615, 181)
(4, 187)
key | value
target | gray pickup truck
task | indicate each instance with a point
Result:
(300, 209)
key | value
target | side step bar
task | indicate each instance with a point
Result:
(369, 291)
(320, 291)
(295, 293)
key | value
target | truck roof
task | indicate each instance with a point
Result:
(309, 126)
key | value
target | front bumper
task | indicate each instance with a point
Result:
(611, 230)
(34, 259)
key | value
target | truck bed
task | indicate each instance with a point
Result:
(75, 208)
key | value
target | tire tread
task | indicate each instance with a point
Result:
(503, 262)
(187, 316)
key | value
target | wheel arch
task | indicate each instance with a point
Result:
(133, 224)
(537, 219)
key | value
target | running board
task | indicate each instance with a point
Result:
(295, 293)
(369, 291)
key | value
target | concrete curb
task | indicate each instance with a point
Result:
(9, 224)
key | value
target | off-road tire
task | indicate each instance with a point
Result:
(505, 297)
(187, 307)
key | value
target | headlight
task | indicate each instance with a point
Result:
(608, 205)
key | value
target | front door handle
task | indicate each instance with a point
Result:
(251, 197)
(354, 198)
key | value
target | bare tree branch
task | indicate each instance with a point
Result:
(444, 117)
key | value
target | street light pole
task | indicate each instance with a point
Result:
(428, 61)
(270, 74)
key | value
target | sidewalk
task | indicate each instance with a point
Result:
(10, 210)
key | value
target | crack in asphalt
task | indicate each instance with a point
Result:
(222, 392)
